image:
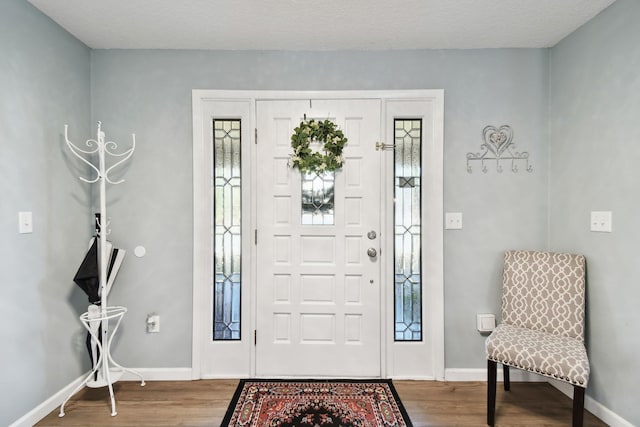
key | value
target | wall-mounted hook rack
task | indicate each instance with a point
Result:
(497, 145)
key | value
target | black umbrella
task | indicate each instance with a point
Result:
(88, 279)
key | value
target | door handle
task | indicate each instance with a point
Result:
(372, 252)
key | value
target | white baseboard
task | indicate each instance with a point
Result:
(149, 374)
(413, 378)
(590, 404)
(593, 406)
(159, 374)
(481, 375)
(43, 409)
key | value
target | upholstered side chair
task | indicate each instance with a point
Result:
(542, 327)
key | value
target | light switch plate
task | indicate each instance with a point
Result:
(601, 221)
(25, 222)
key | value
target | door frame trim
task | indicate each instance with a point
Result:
(202, 227)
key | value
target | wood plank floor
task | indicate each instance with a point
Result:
(204, 403)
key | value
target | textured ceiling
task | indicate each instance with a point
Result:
(320, 25)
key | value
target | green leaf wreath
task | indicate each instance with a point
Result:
(332, 140)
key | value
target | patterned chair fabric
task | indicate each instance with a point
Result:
(542, 329)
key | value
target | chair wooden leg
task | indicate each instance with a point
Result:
(505, 374)
(578, 405)
(492, 369)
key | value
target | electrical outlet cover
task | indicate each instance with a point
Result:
(453, 221)
(601, 221)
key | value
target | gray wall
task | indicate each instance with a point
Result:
(580, 89)
(595, 147)
(44, 83)
(149, 93)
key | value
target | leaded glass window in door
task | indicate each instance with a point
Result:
(407, 230)
(227, 229)
(318, 191)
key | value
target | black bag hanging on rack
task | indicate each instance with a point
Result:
(88, 275)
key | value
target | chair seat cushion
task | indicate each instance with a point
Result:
(554, 356)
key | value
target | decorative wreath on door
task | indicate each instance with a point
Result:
(309, 161)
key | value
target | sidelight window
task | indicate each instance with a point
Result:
(407, 230)
(227, 229)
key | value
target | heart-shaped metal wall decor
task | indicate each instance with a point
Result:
(497, 145)
(497, 139)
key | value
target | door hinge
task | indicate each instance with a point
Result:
(255, 337)
(255, 133)
(255, 236)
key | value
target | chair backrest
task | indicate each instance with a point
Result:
(544, 291)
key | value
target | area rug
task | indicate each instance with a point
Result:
(323, 403)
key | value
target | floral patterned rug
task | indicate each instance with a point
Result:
(316, 403)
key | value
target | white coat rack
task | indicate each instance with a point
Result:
(96, 320)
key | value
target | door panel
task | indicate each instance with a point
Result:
(318, 292)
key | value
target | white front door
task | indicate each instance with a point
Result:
(319, 305)
(318, 290)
